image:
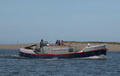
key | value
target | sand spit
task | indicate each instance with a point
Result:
(110, 47)
(13, 46)
(76, 46)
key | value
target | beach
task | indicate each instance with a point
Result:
(76, 46)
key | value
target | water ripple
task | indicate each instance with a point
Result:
(13, 65)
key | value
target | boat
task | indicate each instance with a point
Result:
(61, 51)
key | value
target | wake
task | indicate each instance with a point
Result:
(96, 57)
(12, 56)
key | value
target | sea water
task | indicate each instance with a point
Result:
(13, 65)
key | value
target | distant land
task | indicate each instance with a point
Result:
(112, 46)
(98, 42)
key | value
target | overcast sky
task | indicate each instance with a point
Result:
(29, 21)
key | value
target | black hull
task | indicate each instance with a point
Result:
(67, 55)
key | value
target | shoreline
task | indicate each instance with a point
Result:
(76, 46)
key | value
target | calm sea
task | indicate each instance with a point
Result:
(13, 65)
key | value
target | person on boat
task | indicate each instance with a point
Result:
(58, 42)
(41, 43)
(61, 42)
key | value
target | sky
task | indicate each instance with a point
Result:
(29, 21)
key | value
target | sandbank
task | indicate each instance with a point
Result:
(76, 46)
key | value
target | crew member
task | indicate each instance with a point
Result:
(61, 42)
(58, 42)
(41, 43)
